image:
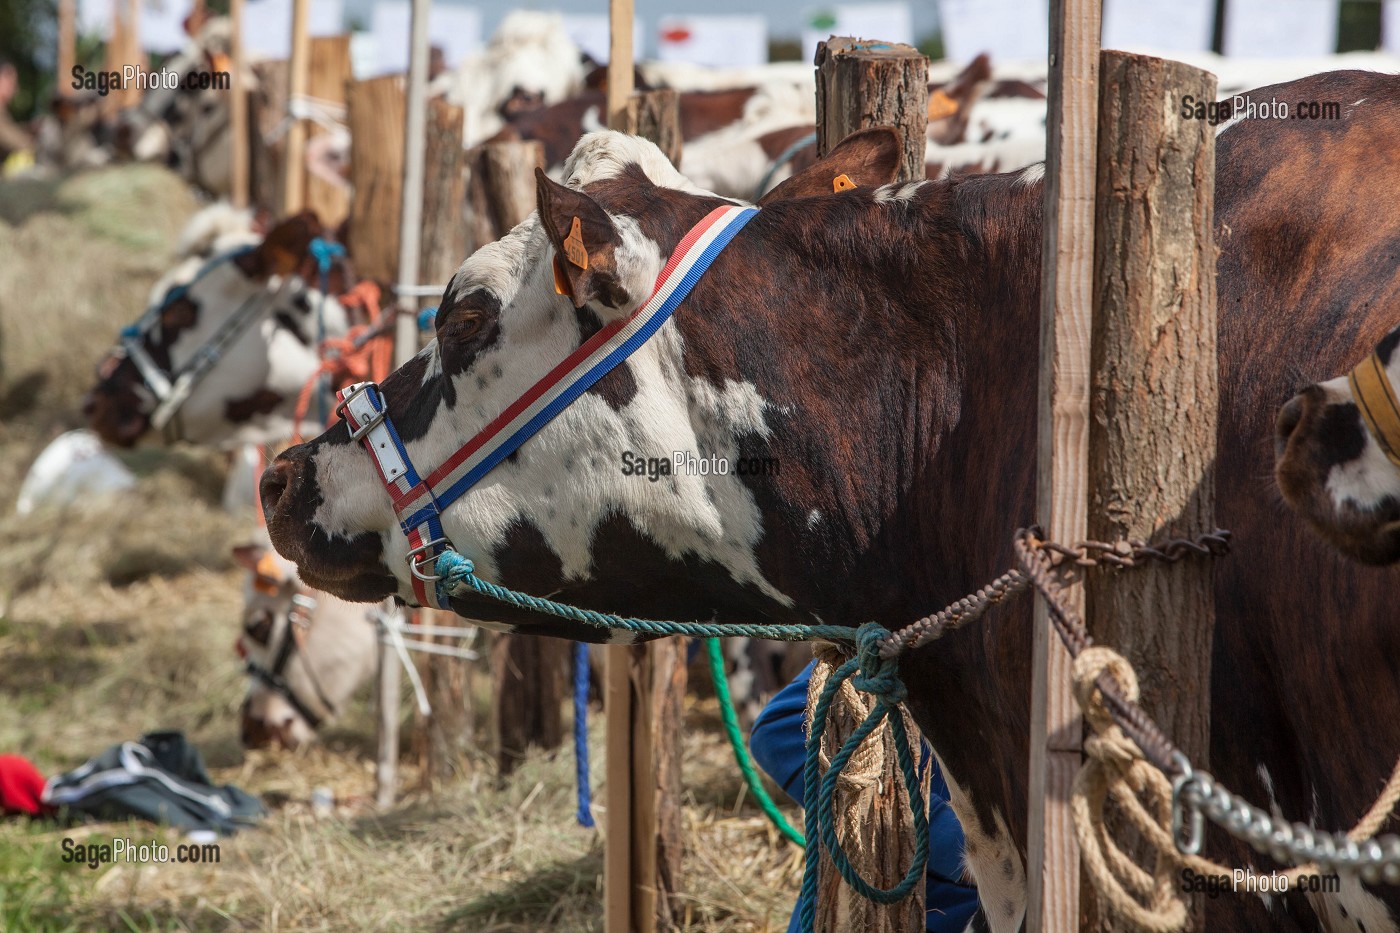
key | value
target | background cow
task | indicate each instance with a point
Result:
(1336, 472)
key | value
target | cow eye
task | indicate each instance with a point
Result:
(460, 324)
(259, 627)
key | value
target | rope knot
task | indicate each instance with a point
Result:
(876, 675)
(453, 568)
(1093, 661)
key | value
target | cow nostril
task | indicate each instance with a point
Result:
(276, 479)
(1289, 417)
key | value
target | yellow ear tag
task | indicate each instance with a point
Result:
(842, 183)
(574, 249)
(940, 105)
(220, 62)
(561, 279)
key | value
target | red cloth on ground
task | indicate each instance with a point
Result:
(21, 786)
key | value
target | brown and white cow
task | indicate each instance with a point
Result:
(881, 344)
(307, 652)
(248, 393)
(1338, 447)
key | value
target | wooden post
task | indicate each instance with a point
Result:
(113, 56)
(500, 189)
(294, 171)
(239, 158)
(862, 84)
(328, 73)
(1153, 431)
(656, 116)
(266, 111)
(618, 868)
(529, 687)
(444, 192)
(447, 735)
(386, 772)
(1067, 274)
(375, 113)
(67, 46)
(131, 95)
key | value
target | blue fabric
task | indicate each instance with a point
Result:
(778, 743)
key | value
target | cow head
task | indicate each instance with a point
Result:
(249, 394)
(1333, 469)
(331, 653)
(586, 509)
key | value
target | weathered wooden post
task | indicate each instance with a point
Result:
(294, 170)
(1066, 321)
(328, 73)
(1152, 430)
(375, 112)
(862, 84)
(529, 686)
(239, 158)
(267, 108)
(444, 190)
(500, 189)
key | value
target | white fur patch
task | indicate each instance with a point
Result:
(1368, 480)
(1001, 892)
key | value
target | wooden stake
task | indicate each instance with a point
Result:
(375, 113)
(67, 45)
(501, 190)
(294, 171)
(414, 141)
(862, 84)
(1153, 431)
(267, 107)
(444, 193)
(131, 94)
(619, 916)
(529, 681)
(328, 73)
(239, 189)
(386, 772)
(1063, 448)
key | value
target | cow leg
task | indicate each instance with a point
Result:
(994, 863)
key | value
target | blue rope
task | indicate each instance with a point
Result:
(426, 317)
(456, 573)
(867, 671)
(581, 672)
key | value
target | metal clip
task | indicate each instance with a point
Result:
(416, 560)
(374, 422)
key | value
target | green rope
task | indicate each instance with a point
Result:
(741, 752)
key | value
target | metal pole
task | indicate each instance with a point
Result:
(410, 226)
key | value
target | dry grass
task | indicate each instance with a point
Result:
(118, 617)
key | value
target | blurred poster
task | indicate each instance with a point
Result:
(454, 29)
(1280, 28)
(593, 35)
(1182, 26)
(716, 41)
(1008, 30)
(886, 22)
(267, 25)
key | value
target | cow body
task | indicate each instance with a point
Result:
(880, 344)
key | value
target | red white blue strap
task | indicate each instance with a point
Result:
(419, 501)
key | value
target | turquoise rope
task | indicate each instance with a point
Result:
(867, 672)
(741, 753)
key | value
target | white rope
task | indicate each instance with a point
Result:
(392, 628)
(389, 633)
(428, 647)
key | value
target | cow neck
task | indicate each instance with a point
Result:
(420, 499)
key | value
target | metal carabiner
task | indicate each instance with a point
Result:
(1188, 829)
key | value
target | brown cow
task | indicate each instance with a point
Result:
(881, 346)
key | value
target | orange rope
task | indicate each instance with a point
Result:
(366, 353)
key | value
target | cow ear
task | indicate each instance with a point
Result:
(248, 555)
(867, 158)
(585, 244)
(284, 247)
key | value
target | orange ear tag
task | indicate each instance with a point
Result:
(561, 279)
(574, 249)
(842, 183)
(940, 105)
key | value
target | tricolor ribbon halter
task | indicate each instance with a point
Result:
(1375, 396)
(419, 500)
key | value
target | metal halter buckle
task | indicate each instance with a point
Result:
(415, 560)
(371, 424)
